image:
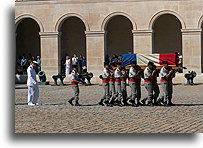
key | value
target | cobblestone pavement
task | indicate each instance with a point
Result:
(54, 115)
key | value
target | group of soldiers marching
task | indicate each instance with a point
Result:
(114, 84)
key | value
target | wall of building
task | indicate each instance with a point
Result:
(96, 14)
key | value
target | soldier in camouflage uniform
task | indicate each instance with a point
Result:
(105, 83)
(118, 93)
(150, 82)
(167, 74)
(135, 74)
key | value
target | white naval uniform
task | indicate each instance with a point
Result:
(33, 90)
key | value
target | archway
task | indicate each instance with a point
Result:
(118, 36)
(73, 38)
(27, 39)
(167, 36)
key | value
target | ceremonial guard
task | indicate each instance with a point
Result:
(166, 74)
(150, 82)
(135, 74)
(124, 76)
(75, 87)
(105, 83)
(117, 75)
(112, 87)
(33, 90)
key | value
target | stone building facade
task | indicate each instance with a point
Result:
(55, 28)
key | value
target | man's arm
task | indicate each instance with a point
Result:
(30, 77)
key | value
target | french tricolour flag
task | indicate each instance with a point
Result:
(143, 59)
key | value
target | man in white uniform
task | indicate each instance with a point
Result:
(33, 90)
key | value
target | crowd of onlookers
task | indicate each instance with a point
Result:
(23, 62)
(67, 63)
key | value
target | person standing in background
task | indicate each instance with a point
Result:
(33, 90)
(39, 63)
(84, 65)
(67, 65)
(75, 61)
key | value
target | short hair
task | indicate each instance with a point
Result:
(165, 62)
(150, 63)
(133, 62)
(119, 63)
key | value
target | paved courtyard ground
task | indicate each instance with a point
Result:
(54, 115)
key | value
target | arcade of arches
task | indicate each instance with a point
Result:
(118, 37)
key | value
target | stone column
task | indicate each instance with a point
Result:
(50, 53)
(95, 53)
(191, 44)
(142, 41)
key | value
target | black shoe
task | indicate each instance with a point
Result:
(150, 104)
(70, 101)
(108, 105)
(135, 105)
(167, 105)
(101, 103)
(77, 104)
(171, 104)
(143, 102)
(121, 105)
(138, 103)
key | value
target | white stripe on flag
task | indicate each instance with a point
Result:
(143, 59)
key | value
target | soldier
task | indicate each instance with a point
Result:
(112, 87)
(75, 87)
(150, 81)
(33, 90)
(105, 83)
(118, 93)
(166, 74)
(123, 85)
(135, 74)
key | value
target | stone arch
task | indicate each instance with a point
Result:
(200, 22)
(167, 35)
(160, 13)
(110, 16)
(118, 34)
(66, 16)
(24, 16)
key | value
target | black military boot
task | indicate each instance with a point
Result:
(101, 102)
(77, 103)
(71, 101)
(144, 101)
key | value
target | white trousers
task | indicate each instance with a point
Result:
(33, 94)
(67, 70)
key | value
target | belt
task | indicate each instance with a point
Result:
(73, 83)
(117, 79)
(105, 80)
(134, 80)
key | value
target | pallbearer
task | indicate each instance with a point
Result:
(124, 76)
(75, 87)
(117, 75)
(135, 74)
(167, 74)
(105, 83)
(112, 87)
(150, 82)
